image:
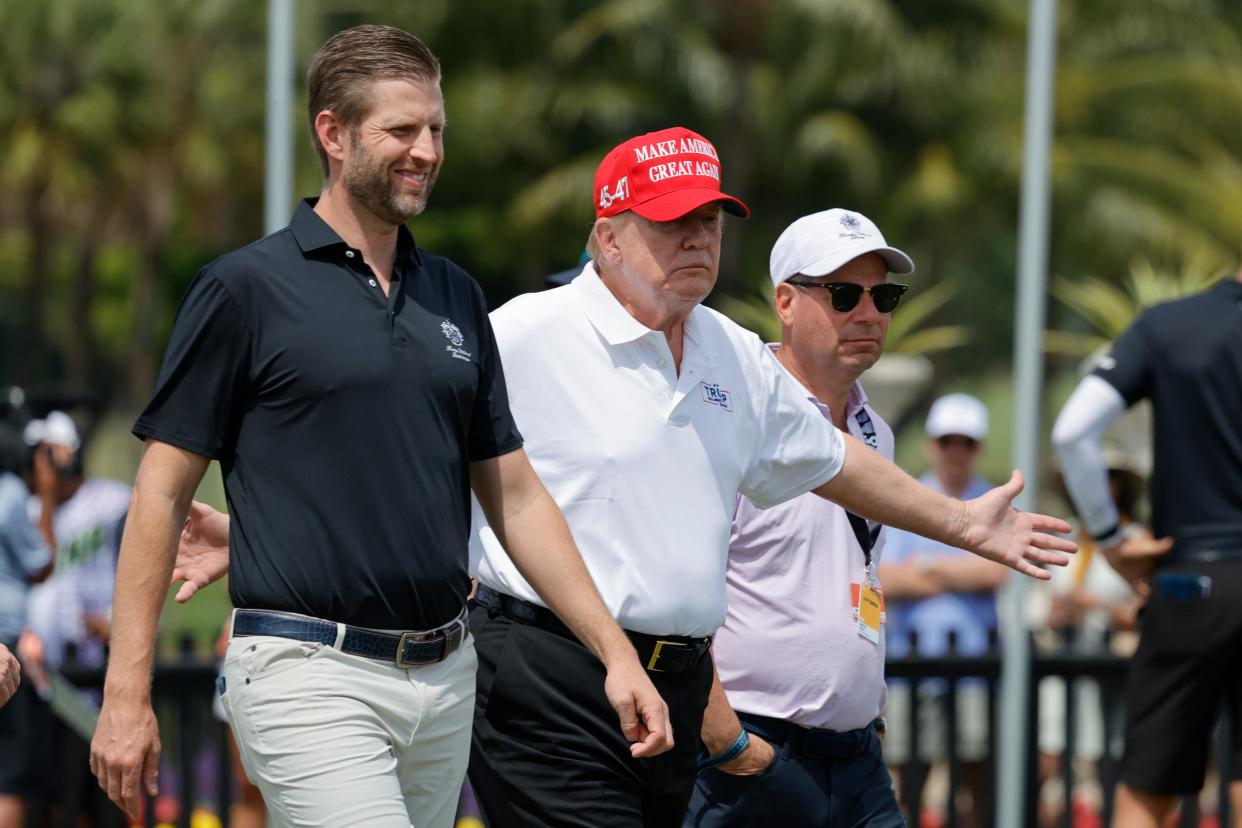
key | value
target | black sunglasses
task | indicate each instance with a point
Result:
(957, 440)
(845, 296)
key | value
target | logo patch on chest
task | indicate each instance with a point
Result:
(713, 394)
(454, 335)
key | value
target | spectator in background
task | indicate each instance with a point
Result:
(73, 607)
(70, 612)
(938, 593)
(25, 559)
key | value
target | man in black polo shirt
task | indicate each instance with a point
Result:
(1186, 357)
(349, 384)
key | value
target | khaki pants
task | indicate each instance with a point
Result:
(337, 740)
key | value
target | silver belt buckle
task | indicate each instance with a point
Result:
(456, 629)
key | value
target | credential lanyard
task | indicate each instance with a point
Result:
(866, 535)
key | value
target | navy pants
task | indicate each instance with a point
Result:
(800, 790)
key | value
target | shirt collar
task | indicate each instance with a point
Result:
(856, 399)
(313, 233)
(605, 313)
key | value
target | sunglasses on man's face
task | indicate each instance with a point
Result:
(845, 296)
(950, 440)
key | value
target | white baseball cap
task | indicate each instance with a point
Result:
(820, 243)
(957, 414)
(57, 428)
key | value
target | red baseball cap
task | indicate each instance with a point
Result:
(662, 176)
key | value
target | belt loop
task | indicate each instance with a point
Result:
(340, 636)
(232, 622)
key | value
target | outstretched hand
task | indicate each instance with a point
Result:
(643, 713)
(995, 530)
(203, 550)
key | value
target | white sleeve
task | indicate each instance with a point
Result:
(1090, 410)
(797, 449)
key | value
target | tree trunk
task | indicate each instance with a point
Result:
(32, 337)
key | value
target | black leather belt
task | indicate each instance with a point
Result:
(658, 653)
(406, 649)
(1199, 553)
(810, 741)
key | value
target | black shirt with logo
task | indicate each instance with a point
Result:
(1186, 357)
(344, 421)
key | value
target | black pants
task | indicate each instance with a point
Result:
(801, 790)
(547, 748)
(1189, 662)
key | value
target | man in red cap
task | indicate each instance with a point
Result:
(645, 415)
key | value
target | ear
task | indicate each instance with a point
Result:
(333, 135)
(784, 298)
(606, 230)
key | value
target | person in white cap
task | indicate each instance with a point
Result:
(645, 414)
(801, 671)
(945, 600)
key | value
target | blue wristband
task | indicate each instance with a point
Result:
(730, 753)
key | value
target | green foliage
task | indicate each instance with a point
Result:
(1110, 308)
(135, 139)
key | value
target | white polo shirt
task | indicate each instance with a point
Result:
(646, 464)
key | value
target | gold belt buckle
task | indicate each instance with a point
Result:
(655, 654)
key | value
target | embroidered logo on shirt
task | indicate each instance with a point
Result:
(455, 338)
(713, 394)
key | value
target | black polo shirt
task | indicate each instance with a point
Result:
(1186, 357)
(344, 421)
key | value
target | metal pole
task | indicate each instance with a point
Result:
(278, 183)
(1028, 370)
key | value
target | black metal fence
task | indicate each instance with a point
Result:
(1107, 671)
(196, 772)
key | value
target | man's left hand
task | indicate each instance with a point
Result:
(993, 529)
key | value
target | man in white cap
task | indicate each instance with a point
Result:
(801, 670)
(945, 599)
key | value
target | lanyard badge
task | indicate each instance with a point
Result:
(866, 597)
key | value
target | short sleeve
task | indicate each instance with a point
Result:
(797, 448)
(18, 533)
(202, 385)
(1127, 367)
(492, 429)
